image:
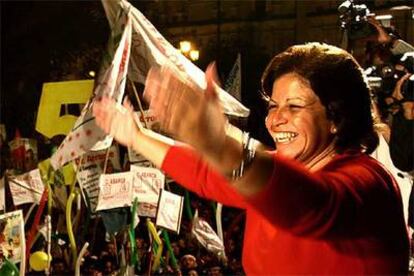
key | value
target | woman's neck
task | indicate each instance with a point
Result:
(322, 158)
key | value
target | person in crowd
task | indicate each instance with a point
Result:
(188, 262)
(59, 266)
(393, 105)
(385, 51)
(319, 204)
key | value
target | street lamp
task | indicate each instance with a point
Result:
(194, 55)
(188, 50)
(185, 46)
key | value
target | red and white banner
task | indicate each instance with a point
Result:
(86, 135)
(150, 48)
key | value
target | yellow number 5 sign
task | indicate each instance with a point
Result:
(55, 94)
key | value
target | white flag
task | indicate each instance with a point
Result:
(150, 48)
(26, 188)
(86, 135)
(206, 235)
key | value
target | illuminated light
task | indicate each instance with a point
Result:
(194, 54)
(185, 46)
(383, 17)
(91, 74)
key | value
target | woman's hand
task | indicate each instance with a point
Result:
(116, 120)
(189, 114)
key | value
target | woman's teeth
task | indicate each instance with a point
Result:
(284, 137)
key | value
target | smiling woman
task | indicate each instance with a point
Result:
(317, 205)
(297, 121)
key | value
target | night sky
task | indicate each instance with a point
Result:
(39, 42)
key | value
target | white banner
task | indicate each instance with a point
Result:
(115, 190)
(147, 184)
(86, 135)
(170, 210)
(91, 169)
(150, 48)
(26, 188)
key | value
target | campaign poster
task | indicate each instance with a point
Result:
(170, 210)
(12, 240)
(26, 188)
(115, 190)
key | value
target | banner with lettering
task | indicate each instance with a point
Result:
(85, 134)
(150, 48)
(91, 166)
(115, 190)
(170, 210)
(26, 188)
(147, 183)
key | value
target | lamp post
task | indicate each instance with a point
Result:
(188, 50)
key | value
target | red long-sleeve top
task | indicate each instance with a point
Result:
(347, 218)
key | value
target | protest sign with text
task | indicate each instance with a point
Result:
(170, 210)
(115, 190)
(91, 167)
(12, 241)
(26, 188)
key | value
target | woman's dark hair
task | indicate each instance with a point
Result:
(337, 79)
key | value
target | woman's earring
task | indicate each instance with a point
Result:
(334, 130)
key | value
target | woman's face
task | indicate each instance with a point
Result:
(297, 120)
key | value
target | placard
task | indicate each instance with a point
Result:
(147, 183)
(91, 169)
(26, 188)
(170, 209)
(115, 190)
(12, 241)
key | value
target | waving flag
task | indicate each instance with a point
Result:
(206, 235)
(86, 135)
(150, 48)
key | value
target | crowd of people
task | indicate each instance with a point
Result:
(104, 257)
(317, 203)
